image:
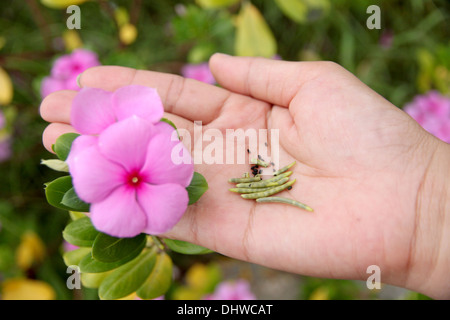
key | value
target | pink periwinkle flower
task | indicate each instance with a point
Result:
(200, 72)
(66, 69)
(432, 112)
(94, 110)
(232, 290)
(122, 164)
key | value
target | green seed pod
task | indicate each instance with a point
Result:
(284, 169)
(265, 183)
(259, 163)
(244, 180)
(267, 193)
(249, 190)
(285, 200)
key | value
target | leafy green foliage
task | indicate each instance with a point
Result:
(129, 277)
(111, 249)
(56, 190)
(253, 35)
(80, 233)
(74, 257)
(159, 279)
(185, 247)
(72, 201)
(63, 144)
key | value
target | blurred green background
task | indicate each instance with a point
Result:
(407, 56)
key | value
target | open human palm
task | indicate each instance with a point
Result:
(360, 163)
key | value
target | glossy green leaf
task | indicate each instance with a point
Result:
(63, 144)
(90, 265)
(186, 247)
(159, 280)
(55, 191)
(129, 277)
(214, 4)
(93, 280)
(112, 249)
(80, 232)
(71, 200)
(74, 257)
(253, 35)
(197, 187)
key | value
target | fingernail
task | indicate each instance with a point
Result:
(78, 80)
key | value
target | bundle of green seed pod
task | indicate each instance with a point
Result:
(262, 190)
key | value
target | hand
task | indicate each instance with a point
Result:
(375, 179)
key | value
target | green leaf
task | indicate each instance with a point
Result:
(55, 191)
(63, 144)
(56, 164)
(129, 277)
(214, 4)
(197, 187)
(297, 10)
(80, 232)
(74, 257)
(159, 280)
(186, 247)
(253, 35)
(93, 280)
(111, 249)
(90, 265)
(71, 200)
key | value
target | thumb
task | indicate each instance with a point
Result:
(273, 81)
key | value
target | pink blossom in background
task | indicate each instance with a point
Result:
(200, 72)
(69, 247)
(232, 290)
(124, 168)
(66, 69)
(432, 112)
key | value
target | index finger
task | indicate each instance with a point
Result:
(187, 98)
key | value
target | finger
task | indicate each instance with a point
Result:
(188, 98)
(52, 132)
(269, 80)
(56, 106)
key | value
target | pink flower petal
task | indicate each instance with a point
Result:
(119, 215)
(50, 85)
(93, 176)
(92, 111)
(200, 72)
(137, 100)
(163, 205)
(126, 142)
(80, 144)
(161, 168)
